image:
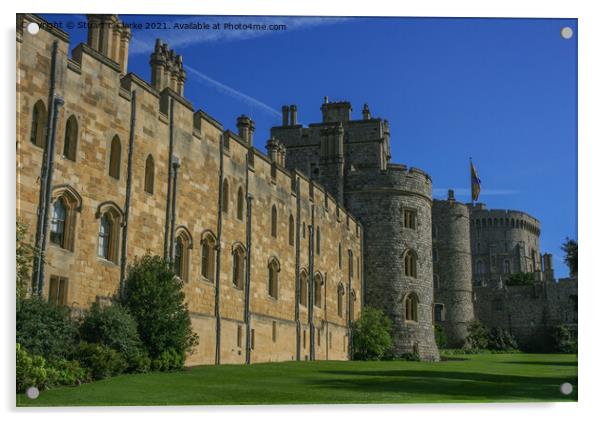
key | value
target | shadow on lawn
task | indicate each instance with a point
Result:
(451, 385)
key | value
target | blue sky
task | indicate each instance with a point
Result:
(502, 91)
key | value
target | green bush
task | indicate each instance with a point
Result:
(115, 327)
(478, 337)
(501, 340)
(31, 370)
(563, 340)
(154, 297)
(169, 360)
(440, 337)
(521, 278)
(101, 360)
(371, 335)
(44, 329)
(67, 373)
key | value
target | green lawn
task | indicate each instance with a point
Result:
(466, 378)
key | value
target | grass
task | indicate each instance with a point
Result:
(462, 378)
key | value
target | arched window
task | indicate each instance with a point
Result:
(240, 203)
(409, 262)
(57, 223)
(149, 175)
(208, 257)
(38, 124)
(506, 266)
(225, 196)
(274, 221)
(65, 202)
(318, 290)
(107, 237)
(340, 302)
(436, 281)
(273, 269)
(480, 268)
(411, 307)
(238, 266)
(70, 144)
(303, 289)
(291, 230)
(181, 254)
(318, 240)
(115, 158)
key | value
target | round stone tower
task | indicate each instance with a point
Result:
(394, 206)
(503, 242)
(452, 267)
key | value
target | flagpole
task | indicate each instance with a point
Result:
(470, 179)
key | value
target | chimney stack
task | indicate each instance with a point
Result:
(108, 36)
(285, 115)
(451, 196)
(276, 151)
(246, 127)
(293, 115)
(167, 69)
(366, 112)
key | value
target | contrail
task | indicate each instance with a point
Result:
(232, 92)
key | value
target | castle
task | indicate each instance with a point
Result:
(278, 252)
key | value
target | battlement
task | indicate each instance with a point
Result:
(507, 218)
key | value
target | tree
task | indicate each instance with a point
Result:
(569, 247)
(154, 296)
(371, 335)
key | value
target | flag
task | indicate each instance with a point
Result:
(475, 182)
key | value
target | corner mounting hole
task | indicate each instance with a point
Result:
(566, 388)
(566, 32)
(33, 28)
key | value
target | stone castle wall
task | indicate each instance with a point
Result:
(97, 93)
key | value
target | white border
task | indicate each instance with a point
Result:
(590, 136)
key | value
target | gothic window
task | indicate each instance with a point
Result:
(115, 158)
(318, 290)
(340, 301)
(439, 312)
(318, 240)
(303, 289)
(291, 230)
(239, 336)
(208, 257)
(238, 266)
(273, 269)
(181, 254)
(340, 256)
(409, 263)
(409, 218)
(57, 291)
(149, 175)
(109, 231)
(506, 266)
(436, 281)
(38, 124)
(411, 307)
(225, 198)
(240, 203)
(480, 268)
(57, 223)
(70, 144)
(274, 224)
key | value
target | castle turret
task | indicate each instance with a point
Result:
(335, 111)
(548, 269)
(452, 269)
(110, 37)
